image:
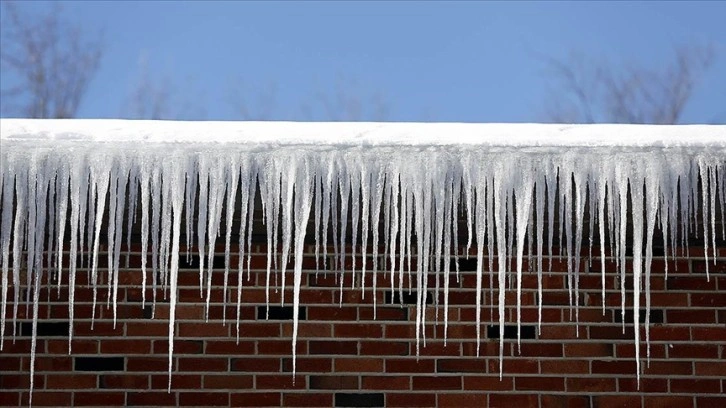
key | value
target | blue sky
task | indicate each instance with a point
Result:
(421, 61)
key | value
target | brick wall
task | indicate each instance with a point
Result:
(346, 358)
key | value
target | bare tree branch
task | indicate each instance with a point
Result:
(52, 60)
(589, 92)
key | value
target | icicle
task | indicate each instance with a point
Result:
(523, 197)
(578, 177)
(131, 212)
(302, 213)
(8, 188)
(144, 184)
(449, 219)
(480, 219)
(703, 173)
(539, 202)
(601, 229)
(100, 175)
(175, 180)
(344, 188)
(355, 186)
(202, 216)
(217, 186)
(653, 181)
(232, 179)
(499, 192)
(366, 180)
(376, 201)
(247, 197)
(636, 192)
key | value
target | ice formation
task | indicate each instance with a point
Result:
(403, 185)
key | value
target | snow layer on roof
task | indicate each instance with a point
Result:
(365, 133)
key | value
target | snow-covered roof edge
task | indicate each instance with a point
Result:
(365, 133)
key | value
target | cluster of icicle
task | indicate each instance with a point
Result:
(403, 199)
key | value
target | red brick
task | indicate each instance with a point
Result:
(711, 368)
(508, 401)
(261, 330)
(21, 381)
(229, 347)
(196, 399)
(178, 381)
(252, 364)
(77, 346)
(48, 399)
(539, 383)
(710, 402)
(383, 313)
(346, 314)
(180, 347)
(203, 330)
(691, 385)
(359, 365)
(202, 364)
(151, 399)
(395, 400)
(310, 330)
(462, 400)
(308, 365)
(564, 366)
(359, 331)
(624, 401)
(389, 348)
(588, 350)
(564, 401)
(11, 363)
(385, 383)
(280, 382)
(49, 364)
(127, 381)
(228, 381)
(100, 328)
(147, 364)
(488, 383)
(437, 348)
(613, 367)
(333, 382)
(541, 349)
(125, 347)
(667, 401)
(693, 351)
(670, 368)
(410, 365)
(717, 334)
(591, 384)
(97, 398)
(691, 316)
(645, 385)
(461, 365)
(307, 399)
(333, 347)
(144, 329)
(436, 383)
(71, 382)
(9, 399)
(515, 365)
(255, 399)
(667, 333)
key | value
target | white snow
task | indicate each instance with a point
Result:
(415, 179)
